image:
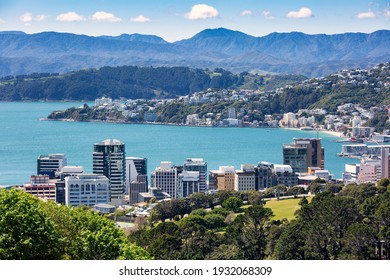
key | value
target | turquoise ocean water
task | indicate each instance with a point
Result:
(23, 137)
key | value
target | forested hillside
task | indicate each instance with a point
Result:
(131, 82)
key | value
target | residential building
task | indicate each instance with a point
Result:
(165, 178)
(50, 164)
(285, 175)
(86, 189)
(352, 171)
(367, 173)
(222, 179)
(264, 176)
(232, 113)
(109, 160)
(244, 179)
(362, 132)
(41, 187)
(199, 165)
(136, 177)
(189, 183)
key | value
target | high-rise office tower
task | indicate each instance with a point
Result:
(49, 164)
(304, 153)
(136, 178)
(109, 160)
(199, 165)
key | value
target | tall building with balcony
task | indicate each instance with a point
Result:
(50, 164)
(136, 178)
(285, 175)
(109, 160)
(264, 176)
(197, 165)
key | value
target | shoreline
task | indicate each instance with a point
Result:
(333, 133)
(330, 132)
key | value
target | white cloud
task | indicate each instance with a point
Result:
(105, 17)
(201, 11)
(40, 17)
(366, 15)
(246, 12)
(301, 13)
(267, 15)
(2, 21)
(387, 13)
(70, 16)
(141, 18)
(26, 17)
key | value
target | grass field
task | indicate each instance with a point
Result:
(284, 208)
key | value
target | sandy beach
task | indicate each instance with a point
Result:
(333, 133)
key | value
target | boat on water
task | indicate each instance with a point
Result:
(350, 140)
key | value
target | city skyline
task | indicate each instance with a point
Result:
(174, 20)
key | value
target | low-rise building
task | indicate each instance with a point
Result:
(42, 187)
(244, 179)
(86, 189)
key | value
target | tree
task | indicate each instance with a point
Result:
(214, 221)
(165, 247)
(26, 231)
(249, 232)
(359, 242)
(384, 182)
(233, 204)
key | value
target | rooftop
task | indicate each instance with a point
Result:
(108, 142)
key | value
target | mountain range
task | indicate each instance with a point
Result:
(287, 53)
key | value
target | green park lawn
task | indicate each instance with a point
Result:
(284, 208)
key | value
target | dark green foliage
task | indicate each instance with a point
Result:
(232, 204)
(214, 221)
(249, 232)
(384, 182)
(131, 82)
(379, 121)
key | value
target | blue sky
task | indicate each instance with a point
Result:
(180, 19)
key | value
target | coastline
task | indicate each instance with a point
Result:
(330, 132)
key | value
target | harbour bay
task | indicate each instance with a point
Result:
(23, 137)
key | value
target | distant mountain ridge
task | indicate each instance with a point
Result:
(289, 53)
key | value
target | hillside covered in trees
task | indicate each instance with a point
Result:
(131, 82)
